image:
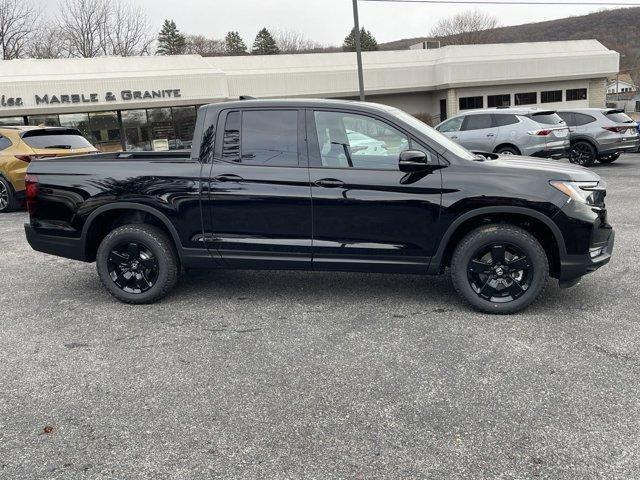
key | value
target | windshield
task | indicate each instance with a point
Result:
(434, 135)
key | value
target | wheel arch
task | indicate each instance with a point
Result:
(536, 223)
(108, 217)
(507, 144)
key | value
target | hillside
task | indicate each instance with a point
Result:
(616, 29)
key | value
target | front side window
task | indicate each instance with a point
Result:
(478, 122)
(452, 125)
(471, 103)
(348, 140)
(576, 94)
(528, 98)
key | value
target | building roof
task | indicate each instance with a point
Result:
(623, 77)
(191, 79)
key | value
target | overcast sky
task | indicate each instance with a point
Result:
(329, 21)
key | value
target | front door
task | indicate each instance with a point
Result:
(367, 214)
(259, 194)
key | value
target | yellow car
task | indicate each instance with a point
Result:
(20, 145)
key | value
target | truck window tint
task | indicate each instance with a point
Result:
(231, 138)
(478, 122)
(270, 137)
(356, 141)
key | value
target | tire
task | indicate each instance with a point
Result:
(609, 158)
(582, 153)
(8, 202)
(141, 251)
(501, 289)
(507, 150)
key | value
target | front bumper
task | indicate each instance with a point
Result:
(72, 248)
(572, 267)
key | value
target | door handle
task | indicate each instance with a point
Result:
(329, 183)
(228, 178)
(491, 134)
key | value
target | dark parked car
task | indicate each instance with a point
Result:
(277, 185)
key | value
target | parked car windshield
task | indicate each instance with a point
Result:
(434, 135)
(619, 117)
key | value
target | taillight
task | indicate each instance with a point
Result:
(32, 187)
(540, 133)
(616, 129)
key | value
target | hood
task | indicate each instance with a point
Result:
(555, 169)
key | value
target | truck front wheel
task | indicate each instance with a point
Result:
(137, 263)
(499, 269)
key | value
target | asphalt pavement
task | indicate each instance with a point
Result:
(243, 374)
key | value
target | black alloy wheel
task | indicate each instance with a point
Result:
(500, 272)
(133, 267)
(138, 263)
(582, 153)
(609, 158)
(499, 268)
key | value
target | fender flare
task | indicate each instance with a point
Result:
(132, 207)
(436, 261)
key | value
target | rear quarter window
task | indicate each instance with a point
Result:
(4, 143)
(63, 140)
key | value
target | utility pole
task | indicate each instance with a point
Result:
(356, 23)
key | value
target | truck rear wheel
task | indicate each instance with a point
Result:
(137, 264)
(499, 269)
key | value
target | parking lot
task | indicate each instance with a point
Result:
(243, 374)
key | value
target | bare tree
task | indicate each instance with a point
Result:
(84, 26)
(206, 47)
(290, 41)
(465, 28)
(17, 23)
(128, 30)
(47, 42)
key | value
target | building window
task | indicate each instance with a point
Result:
(8, 121)
(44, 120)
(77, 120)
(551, 96)
(528, 98)
(576, 94)
(499, 100)
(136, 130)
(469, 103)
(185, 122)
(162, 133)
(105, 131)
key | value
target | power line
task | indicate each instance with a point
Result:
(509, 2)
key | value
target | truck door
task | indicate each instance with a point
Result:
(259, 192)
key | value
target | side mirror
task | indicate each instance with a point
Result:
(414, 161)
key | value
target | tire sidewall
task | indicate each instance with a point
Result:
(11, 196)
(490, 235)
(144, 237)
(510, 150)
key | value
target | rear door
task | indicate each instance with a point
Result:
(259, 193)
(479, 132)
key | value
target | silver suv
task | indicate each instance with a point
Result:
(509, 131)
(599, 134)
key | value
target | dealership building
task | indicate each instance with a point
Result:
(149, 103)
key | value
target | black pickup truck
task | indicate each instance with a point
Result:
(322, 185)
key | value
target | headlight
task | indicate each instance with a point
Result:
(582, 192)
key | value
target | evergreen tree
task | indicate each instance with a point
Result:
(234, 45)
(367, 41)
(265, 44)
(170, 40)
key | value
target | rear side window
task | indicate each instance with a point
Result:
(63, 139)
(4, 143)
(547, 118)
(478, 122)
(619, 117)
(583, 119)
(505, 119)
(262, 137)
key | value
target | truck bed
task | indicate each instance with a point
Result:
(172, 155)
